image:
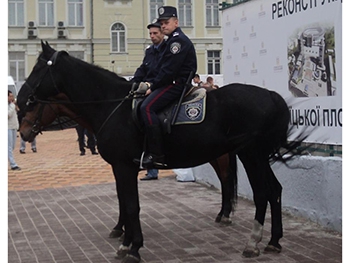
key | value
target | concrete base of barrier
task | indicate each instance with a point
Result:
(312, 187)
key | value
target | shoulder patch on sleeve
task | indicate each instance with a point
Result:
(175, 47)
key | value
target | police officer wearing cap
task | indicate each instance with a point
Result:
(146, 72)
(175, 65)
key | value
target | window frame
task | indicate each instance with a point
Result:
(117, 35)
(78, 8)
(153, 8)
(49, 20)
(212, 9)
(19, 67)
(213, 62)
(185, 15)
(18, 15)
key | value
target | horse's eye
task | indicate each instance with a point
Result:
(31, 99)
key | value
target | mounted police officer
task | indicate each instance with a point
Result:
(146, 72)
(175, 65)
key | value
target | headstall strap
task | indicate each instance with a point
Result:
(52, 60)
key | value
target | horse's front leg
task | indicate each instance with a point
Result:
(126, 177)
(118, 230)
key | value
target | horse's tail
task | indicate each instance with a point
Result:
(289, 149)
(283, 150)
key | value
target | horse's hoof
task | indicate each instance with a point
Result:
(218, 219)
(272, 249)
(116, 233)
(226, 221)
(251, 253)
(122, 251)
(131, 259)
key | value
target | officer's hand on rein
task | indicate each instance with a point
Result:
(143, 87)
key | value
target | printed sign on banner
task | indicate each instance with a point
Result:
(294, 48)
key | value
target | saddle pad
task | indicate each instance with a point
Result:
(191, 112)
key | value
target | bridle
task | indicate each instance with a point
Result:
(32, 99)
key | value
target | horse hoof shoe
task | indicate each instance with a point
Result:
(249, 253)
(225, 221)
(272, 249)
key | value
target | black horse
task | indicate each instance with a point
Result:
(53, 113)
(243, 119)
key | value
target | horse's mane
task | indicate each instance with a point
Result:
(94, 67)
(98, 68)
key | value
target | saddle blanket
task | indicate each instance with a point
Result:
(191, 113)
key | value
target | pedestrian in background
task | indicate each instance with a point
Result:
(22, 148)
(12, 130)
(91, 140)
(197, 80)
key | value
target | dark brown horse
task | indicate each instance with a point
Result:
(241, 119)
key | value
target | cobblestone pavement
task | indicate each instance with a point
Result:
(62, 206)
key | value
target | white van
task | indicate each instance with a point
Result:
(12, 86)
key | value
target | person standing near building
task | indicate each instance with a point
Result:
(22, 148)
(176, 64)
(12, 130)
(147, 71)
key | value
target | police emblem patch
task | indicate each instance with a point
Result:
(161, 10)
(175, 47)
(193, 110)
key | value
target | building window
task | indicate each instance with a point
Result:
(75, 12)
(118, 38)
(16, 66)
(16, 13)
(185, 12)
(212, 12)
(214, 62)
(154, 5)
(46, 13)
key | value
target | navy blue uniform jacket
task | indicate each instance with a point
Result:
(177, 61)
(147, 71)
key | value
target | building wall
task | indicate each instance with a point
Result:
(95, 41)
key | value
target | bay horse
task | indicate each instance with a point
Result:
(246, 120)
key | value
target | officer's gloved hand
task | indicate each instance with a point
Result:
(143, 87)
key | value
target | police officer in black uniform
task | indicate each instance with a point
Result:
(147, 71)
(175, 65)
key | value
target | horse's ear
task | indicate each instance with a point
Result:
(46, 47)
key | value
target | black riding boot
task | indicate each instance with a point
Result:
(154, 157)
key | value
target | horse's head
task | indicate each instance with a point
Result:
(43, 113)
(40, 85)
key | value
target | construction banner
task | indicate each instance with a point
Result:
(293, 47)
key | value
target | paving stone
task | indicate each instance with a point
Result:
(62, 207)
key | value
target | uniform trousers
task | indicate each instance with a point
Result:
(157, 100)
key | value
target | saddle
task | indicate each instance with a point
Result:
(191, 111)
